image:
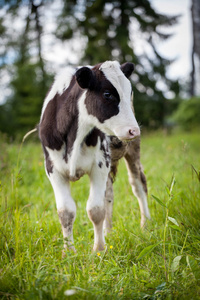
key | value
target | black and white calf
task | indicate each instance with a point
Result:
(87, 124)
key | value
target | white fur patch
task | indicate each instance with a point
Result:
(114, 74)
(62, 193)
(56, 157)
(84, 127)
(61, 83)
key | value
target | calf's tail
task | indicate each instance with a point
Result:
(28, 133)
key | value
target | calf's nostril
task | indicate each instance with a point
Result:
(131, 132)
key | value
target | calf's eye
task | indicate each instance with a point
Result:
(107, 95)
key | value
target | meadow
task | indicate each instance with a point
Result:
(160, 262)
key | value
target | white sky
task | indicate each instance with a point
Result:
(179, 46)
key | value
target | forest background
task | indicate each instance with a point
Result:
(92, 32)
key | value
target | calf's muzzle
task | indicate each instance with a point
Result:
(127, 133)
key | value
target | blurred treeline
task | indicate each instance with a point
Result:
(103, 30)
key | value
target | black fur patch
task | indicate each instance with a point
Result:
(100, 164)
(85, 78)
(127, 68)
(91, 141)
(96, 104)
(48, 162)
(92, 137)
(59, 123)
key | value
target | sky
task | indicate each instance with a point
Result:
(180, 45)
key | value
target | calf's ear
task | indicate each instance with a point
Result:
(85, 78)
(127, 68)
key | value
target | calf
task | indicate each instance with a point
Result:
(87, 124)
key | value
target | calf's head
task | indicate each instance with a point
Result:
(108, 98)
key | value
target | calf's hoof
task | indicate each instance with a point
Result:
(144, 222)
(107, 230)
(99, 247)
(68, 249)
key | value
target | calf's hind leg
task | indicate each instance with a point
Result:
(109, 200)
(66, 207)
(137, 178)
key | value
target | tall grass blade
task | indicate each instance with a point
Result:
(159, 201)
(196, 172)
(147, 250)
(173, 221)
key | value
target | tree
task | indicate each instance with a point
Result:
(111, 28)
(195, 73)
(29, 78)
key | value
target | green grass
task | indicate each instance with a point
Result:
(161, 262)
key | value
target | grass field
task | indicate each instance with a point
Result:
(161, 262)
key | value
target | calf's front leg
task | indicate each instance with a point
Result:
(96, 204)
(66, 207)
